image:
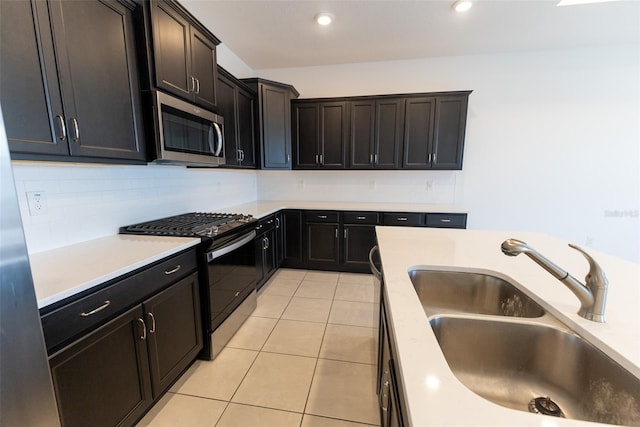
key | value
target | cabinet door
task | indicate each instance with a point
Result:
(305, 135)
(322, 243)
(358, 241)
(418, 132)
(388, 135)
(30, 94)
(227, 109)
(292, 238)
(362, 134)
(171, 49)
(276, 127)
(203, 69)
(103, 379)
(269, 260)
(450, 123)
(246, 131)
(174, 331)
(333, 135)
(96, 60)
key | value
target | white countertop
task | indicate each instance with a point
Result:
(434, 395)
(263, 208)
(63, 272)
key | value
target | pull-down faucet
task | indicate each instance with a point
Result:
(592, 295)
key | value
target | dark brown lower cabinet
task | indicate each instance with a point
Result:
(103, 379)
(322, 243)
(358, 241)
(111, 376)
(389, 400)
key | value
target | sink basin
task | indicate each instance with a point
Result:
(518, 364)
(471, 293)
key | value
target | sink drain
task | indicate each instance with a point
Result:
(545, 406)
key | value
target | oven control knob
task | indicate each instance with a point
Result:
(212, 231)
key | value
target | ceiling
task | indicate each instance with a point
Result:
(282, 33)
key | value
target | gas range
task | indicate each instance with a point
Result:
(205, 225)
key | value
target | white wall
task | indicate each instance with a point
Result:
(552, 141)
(87, 201)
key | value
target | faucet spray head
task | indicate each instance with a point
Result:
(513, 247)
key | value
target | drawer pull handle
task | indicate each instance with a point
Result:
(402, 218)
(95, 310)
(153, 323)
(237, 293)
(322, 216)
(144, 329)
(277, 222)
(445, 220)
(361, 218)
(168, 272)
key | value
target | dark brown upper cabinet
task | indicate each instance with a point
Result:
(68, 92)
(320, 134)
(273, 121)
(376, 131)
(434, 131)
(184, 54)
(236, 104)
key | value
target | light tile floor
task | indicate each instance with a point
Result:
(306, 358)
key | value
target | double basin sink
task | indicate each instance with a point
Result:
(506, 348)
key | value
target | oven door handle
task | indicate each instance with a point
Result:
(231, 246)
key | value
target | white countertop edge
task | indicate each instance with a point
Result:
(99, 279)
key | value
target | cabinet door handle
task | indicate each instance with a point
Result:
(321, 159)
(96, 310)
(375, 159)
(193, 84)
(153, 323)
(336, 232)
(322, 217)
(430, 158)
(76, 129)
(402, 218)
(63, 128)
(173, 270)
(237, 293)
(242, 155)
(346, 233)
(361, 218)
(144, 329)
(277, 222)
(288, 158)
(197, 86)
(268, 242)
(445, 221)
(371, 158)
(317, 159)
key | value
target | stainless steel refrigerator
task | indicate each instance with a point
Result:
(26, 390)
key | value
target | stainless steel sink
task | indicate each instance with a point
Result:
(532, 367)
(471, 293)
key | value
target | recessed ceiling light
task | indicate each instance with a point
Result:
(324, 18)
(462, 5)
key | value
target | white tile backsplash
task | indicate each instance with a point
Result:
(432, 187)
(85, 201)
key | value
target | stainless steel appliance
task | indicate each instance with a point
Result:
(187, 134)
(230, 269)
(26, 394)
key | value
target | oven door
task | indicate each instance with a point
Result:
(233, 275)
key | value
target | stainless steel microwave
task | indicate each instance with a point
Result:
(187, 134)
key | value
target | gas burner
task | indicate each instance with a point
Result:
(195, 224)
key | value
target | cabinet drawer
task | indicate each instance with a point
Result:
(444, 220)
(321, 216)
(266, 224)
(409, 219)
(361, 218)
(89, 312)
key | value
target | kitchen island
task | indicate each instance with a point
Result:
(433, 395)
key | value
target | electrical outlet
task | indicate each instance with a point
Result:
(372, 184)
(428, 186)
(37, 203)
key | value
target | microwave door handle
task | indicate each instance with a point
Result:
(220, 140)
